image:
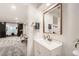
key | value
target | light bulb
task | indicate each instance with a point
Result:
(13, 7)
(47, 4)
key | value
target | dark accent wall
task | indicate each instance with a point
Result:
(20, 29)
(2, 29)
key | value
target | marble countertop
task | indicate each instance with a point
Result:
(50, 45)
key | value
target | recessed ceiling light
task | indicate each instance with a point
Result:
(13, 7)
(47, 4)
(16, 18)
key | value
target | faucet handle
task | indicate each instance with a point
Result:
(77, 40)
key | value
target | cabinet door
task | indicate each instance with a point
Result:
(44, 51)
(57, 51)
(39, 50)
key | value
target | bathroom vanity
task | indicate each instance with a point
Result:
(52, 24)
(43, 47)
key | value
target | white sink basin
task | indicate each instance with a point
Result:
(49, 44)
(76, 52)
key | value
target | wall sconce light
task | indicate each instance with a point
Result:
(37, 25)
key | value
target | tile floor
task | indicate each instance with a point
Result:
(12, 46)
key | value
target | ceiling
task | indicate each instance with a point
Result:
(37, 5)
(15, 12)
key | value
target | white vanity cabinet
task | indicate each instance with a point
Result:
(40, 50)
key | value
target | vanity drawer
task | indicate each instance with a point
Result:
(57, 51)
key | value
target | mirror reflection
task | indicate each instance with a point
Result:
(53, 20)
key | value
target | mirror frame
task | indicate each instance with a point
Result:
(60, 19)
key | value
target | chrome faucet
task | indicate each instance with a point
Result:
(76, 44)
(48, 37)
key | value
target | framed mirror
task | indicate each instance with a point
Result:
(52, 20)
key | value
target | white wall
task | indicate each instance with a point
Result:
(34, 15)
(25, 29)
(70, 27)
